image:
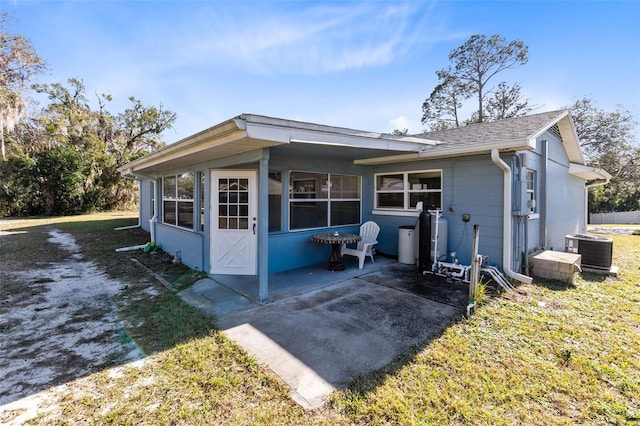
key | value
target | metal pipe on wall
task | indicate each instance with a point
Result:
(506, 219)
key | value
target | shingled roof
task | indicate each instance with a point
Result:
(511, 129)
(513, 134)
(509, 135)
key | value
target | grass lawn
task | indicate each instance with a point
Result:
(548, 354)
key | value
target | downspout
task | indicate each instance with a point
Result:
(506, 220)
(542, 205)
(154, 218)
(524, 219)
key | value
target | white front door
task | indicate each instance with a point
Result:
(234, 237)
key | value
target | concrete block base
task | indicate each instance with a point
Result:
(556, 265)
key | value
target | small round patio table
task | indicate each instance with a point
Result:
(336, 240)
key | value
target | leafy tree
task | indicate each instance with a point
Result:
(91, 144)
(18, 63)
(506, 102)
(398, 132)
(441, 109)
(58, 175)
(471, 68)
(608, 141)
(140, 129)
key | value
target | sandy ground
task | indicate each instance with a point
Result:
(62, 328)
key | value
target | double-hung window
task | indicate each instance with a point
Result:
(403, 190)
(177, 200)
(531, 191)
(318, 200)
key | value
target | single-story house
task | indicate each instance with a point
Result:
(245, 196)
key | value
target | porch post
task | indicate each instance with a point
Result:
(263, 226)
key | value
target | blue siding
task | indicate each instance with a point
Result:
(565, 204)
(471, 185)
(565, 196)
(189, 243)
(388, 238)
(296, 249)
(292, 250)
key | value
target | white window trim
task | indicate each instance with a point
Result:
(179, 200)
(328, 199)
(532, 193)
(407, 210)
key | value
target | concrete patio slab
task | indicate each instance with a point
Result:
(318, 341)
(215, 299)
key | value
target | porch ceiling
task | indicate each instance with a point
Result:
(305, 150)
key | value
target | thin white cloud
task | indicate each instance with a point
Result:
(313, 40)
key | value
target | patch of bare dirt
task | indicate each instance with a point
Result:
(58, 324)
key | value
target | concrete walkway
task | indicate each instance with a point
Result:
(318, 341)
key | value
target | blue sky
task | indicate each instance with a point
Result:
(364, 65)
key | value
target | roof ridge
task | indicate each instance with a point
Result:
(492, 123)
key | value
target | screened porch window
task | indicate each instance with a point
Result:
(319, 200)
(177, 200)
(275, 201)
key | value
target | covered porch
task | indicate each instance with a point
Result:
(223, 295)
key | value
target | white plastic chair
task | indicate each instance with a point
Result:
(369, 233)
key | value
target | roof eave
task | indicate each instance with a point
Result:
(290, 131)
(570, 138)
(466, 150)
(589, 173)
(227, 130)
(249, 131)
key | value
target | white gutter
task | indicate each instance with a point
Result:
(506, 220)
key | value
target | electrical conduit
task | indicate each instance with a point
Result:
(506, 220)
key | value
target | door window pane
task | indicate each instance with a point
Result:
(233, 203)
